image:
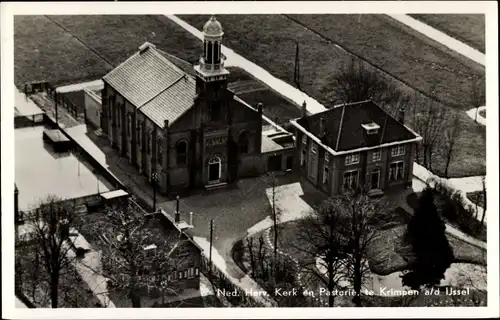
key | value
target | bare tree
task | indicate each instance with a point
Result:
(320, 238)
(450, 137)
(483, 182)
(429, 122)
(276, 217)
(138, 255)
(354, 83)
(477, 95)
(48, 231)
(363, 217)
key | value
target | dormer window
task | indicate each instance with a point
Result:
(371, 128)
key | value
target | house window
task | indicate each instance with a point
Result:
(243, 143)
(376, 155)
(303, 157)
(327, 157)
(352, 159)
(326, 174)
(185, 274)
(196, 272)
(159, 150)
(304, 139)
(313, 148)
(398, 151)
(350, 179)
(396, 171)
(181, 152)
(180, 275)
(169, 278)
(215, 112)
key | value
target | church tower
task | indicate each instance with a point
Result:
(210, 73)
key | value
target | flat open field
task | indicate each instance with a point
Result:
(69, 49)
(468, 28)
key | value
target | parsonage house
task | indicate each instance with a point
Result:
(179, 130)
(355, 145)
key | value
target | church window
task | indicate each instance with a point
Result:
(159, 152)
(243, 143)
(129, 125)
(181, 151)
(139, 134)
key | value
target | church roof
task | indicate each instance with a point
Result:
(344, 131)
(154, 84)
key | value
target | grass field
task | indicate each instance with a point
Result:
(94, 49)
(468, 28)
(45, 52)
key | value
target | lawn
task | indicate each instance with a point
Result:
(70, 49)
(468, 28)
(73, 291)
(45, 52)
(410, 58)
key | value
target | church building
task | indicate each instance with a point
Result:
(179, 130)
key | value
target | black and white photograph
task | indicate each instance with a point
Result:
(255, 155)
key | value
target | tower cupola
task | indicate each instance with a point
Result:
(211, 66)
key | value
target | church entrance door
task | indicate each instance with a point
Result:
(214, 170)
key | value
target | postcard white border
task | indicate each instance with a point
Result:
(247, 7)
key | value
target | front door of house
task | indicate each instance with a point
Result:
(375, 177)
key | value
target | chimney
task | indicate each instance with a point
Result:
(401, 115)
(145, 46)
(321, 127)
(191, 219)
(304, 109)
(177, 213)
(259, 107)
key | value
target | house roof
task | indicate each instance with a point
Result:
(154, 84)
(343, 130)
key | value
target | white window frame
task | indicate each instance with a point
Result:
(396, 172)
(326, 174)
(314, 150)
(352, 158)
(398, 150)
(349, 172)
(377, 152)
(196, 272)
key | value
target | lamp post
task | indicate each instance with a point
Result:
(154, 178)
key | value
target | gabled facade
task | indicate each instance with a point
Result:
(182, 131)
(354, 145)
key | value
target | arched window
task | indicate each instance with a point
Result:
(216, 52)
(243, 143)
(210, 52)
(139, 134)
(159, 151)
(205, 49)
(181, 152)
